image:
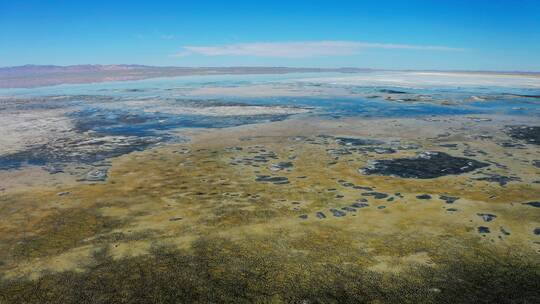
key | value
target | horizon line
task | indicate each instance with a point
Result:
(264, 67)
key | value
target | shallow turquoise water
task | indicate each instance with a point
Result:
(108, 108)
(92, 112)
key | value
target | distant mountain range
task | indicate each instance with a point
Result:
(28, 76)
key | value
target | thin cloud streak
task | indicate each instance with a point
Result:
(300, 49)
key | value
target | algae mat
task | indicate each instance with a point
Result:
(289, 212)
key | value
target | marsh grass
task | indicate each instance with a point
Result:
(218, 270)
(233, 248)
(61, 231)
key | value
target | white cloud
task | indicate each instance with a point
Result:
(299, 49)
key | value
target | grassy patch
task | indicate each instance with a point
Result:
(61, 231)
(218, 270)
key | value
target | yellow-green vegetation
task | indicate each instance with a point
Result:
(218, 270)
(190, 224)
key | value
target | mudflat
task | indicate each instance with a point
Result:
(303, 189)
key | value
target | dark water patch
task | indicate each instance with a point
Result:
(337, 213)
(515, 145)
(350, 141)
(55, 155)
(426, 165)
(390, 91)
(359, 205)
(483, 229)
(529, 134)
(487, 217)
(448, 199)
(378, 150)
(363, 188)
(348, 209)
(423, 197)
(345, 183)
(320, 215)
(135, 90)
(19, 159)
(533, 204)
(281, 166)
(500, 179)
(203, 103)
(276, 180)
(525, 95)
(376, 195)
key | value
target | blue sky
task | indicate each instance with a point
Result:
(437, 34)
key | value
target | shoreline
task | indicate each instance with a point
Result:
(40, 77)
